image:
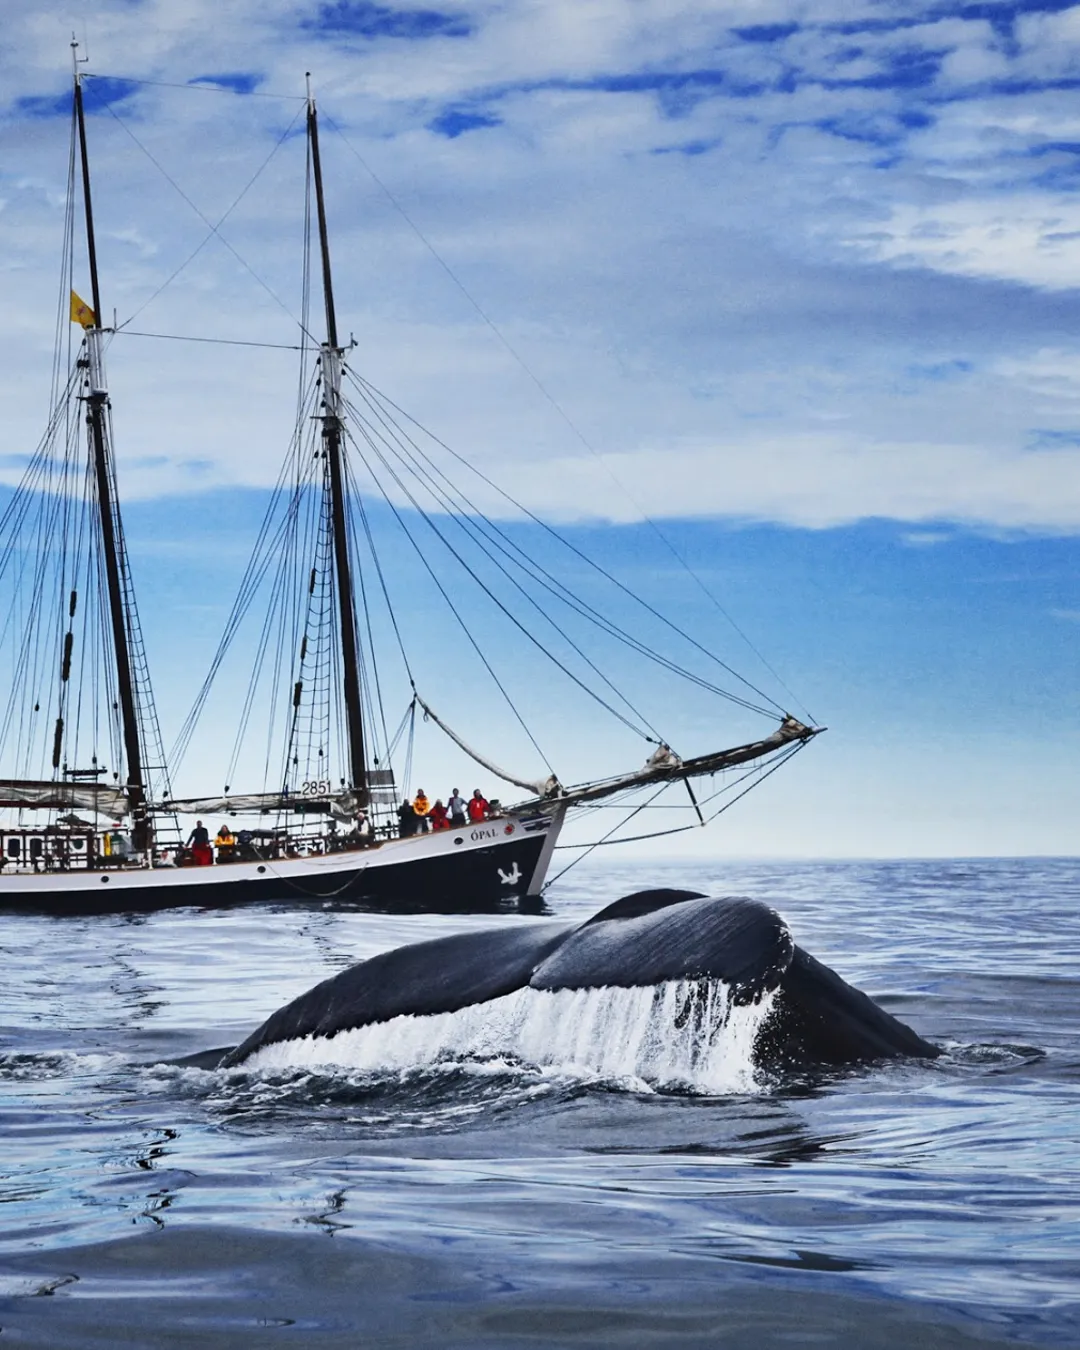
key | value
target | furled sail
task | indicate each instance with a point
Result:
(43, 795)
(339, 805)
(543, 787)
(344, 806)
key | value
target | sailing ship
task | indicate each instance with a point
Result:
(91, 819)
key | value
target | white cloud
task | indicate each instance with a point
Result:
(1031, 239)
(801, 311)
(816, 482)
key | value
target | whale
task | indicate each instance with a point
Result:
(644, 939)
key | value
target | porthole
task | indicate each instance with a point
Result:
(261, 868)
(459, 840)
(104, 879)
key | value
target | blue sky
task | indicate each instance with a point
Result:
(802, 281)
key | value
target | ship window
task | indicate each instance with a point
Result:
(37, 847)
(14, 847)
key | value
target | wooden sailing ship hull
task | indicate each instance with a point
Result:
(474, 868)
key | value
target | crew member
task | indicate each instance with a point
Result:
(478, 807)
(439, 816)
(421, 806)
(202, 855)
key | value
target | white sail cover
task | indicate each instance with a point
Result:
(340, 805)
(344, 806)
(42, 795)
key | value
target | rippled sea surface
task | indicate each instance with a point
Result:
(530, 1182)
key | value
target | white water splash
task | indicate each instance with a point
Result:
(684, 1034)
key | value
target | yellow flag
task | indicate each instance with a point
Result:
(81, 312)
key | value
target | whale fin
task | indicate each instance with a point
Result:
(742, 942)
(818, 1018)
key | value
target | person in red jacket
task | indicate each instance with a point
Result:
(439, 816)
(478, 807)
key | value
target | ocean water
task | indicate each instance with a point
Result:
(588, 1169)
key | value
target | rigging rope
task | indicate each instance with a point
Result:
(197, 87)
(606, 840)
(425, 516)
(125, 331)
(480, 540)
(208, 223)
(214, 230)
(453, 608)
(553, 533)
(565, 416)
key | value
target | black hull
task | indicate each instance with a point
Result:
(472, 880)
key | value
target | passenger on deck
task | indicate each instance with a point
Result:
(456, 806)
(478, 807)
(225, 843)
(438, 816)
(202, 855)
(407, 819)
(119, 845)
(422, 806)
(362, 827)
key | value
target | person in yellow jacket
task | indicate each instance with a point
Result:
(225, 843)
(421, 806)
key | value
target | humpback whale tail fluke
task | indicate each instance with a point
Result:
(655, 964)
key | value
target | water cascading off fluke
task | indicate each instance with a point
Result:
(683, 1034)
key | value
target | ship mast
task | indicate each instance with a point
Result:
(97, 402)
(332, 427)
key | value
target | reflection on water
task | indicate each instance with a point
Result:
(590, 1167)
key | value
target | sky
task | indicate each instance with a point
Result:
(785, 291)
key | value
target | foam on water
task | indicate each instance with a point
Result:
(684, 1034)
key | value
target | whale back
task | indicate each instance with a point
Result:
(636, 942)
(643, 902)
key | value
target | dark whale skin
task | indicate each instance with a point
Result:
(742, 942)
(442, 975)
(818, 1018)
(641, 940)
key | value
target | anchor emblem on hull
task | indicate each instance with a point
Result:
(510, 878)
